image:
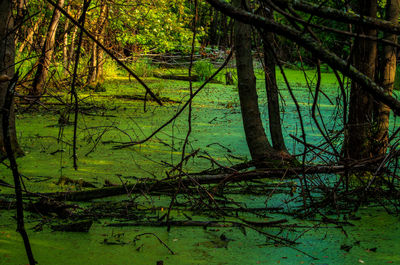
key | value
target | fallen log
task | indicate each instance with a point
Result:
(178, 77)
(173, 223)
(193, 78)
(200, 223)
(170, 184)
(79, 226)
(144, 98)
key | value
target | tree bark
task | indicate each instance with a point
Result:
(258, 144)
(96, 60)
(71, 48)
(47, 53)
(7, 57)
(28, 41)
(100, 53)
(92, 73)
(65, 44)
(275, 127)
(358, 134)
(387, 78)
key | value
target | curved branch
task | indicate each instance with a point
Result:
(318, 50)
(338, 15)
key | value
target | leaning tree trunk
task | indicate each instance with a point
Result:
(7, 57)
(358, 140)
(28, 41)
(387, 78)
(47, 53)
(260, 148)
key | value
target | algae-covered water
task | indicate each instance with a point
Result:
(373, 240)
(114, 117)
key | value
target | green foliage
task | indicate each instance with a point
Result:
(325, 68)
(204, 69)
(143, 67)
(24, 65)
(152, 26)
(110, 69)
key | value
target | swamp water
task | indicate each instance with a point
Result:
(115, 117)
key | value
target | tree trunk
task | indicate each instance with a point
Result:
(258, 144)
(47, 53)
(92, 64)
(358, 138)
(96, 60)
(20, 14)
(71, 48)
(274, 116)
(65, 44)
(213, 31)
(7, 57)
(100, 53)
(28, 41)
(387, 78)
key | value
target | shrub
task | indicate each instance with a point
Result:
(143, 67)
(110, 69)
(204, 69)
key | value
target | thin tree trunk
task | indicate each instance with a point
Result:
(65, 44)
(358, 130)
(258, 144)
(21, 11)
(7, 58)
(274, 116)
(100, 53)
(92, 64)
(47, 53)
(213, 31)
(387, 75)
(71, 48)
(96, 61)
(29, 38)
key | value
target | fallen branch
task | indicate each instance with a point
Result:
(170, 184)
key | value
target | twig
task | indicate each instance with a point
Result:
(162, 242)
